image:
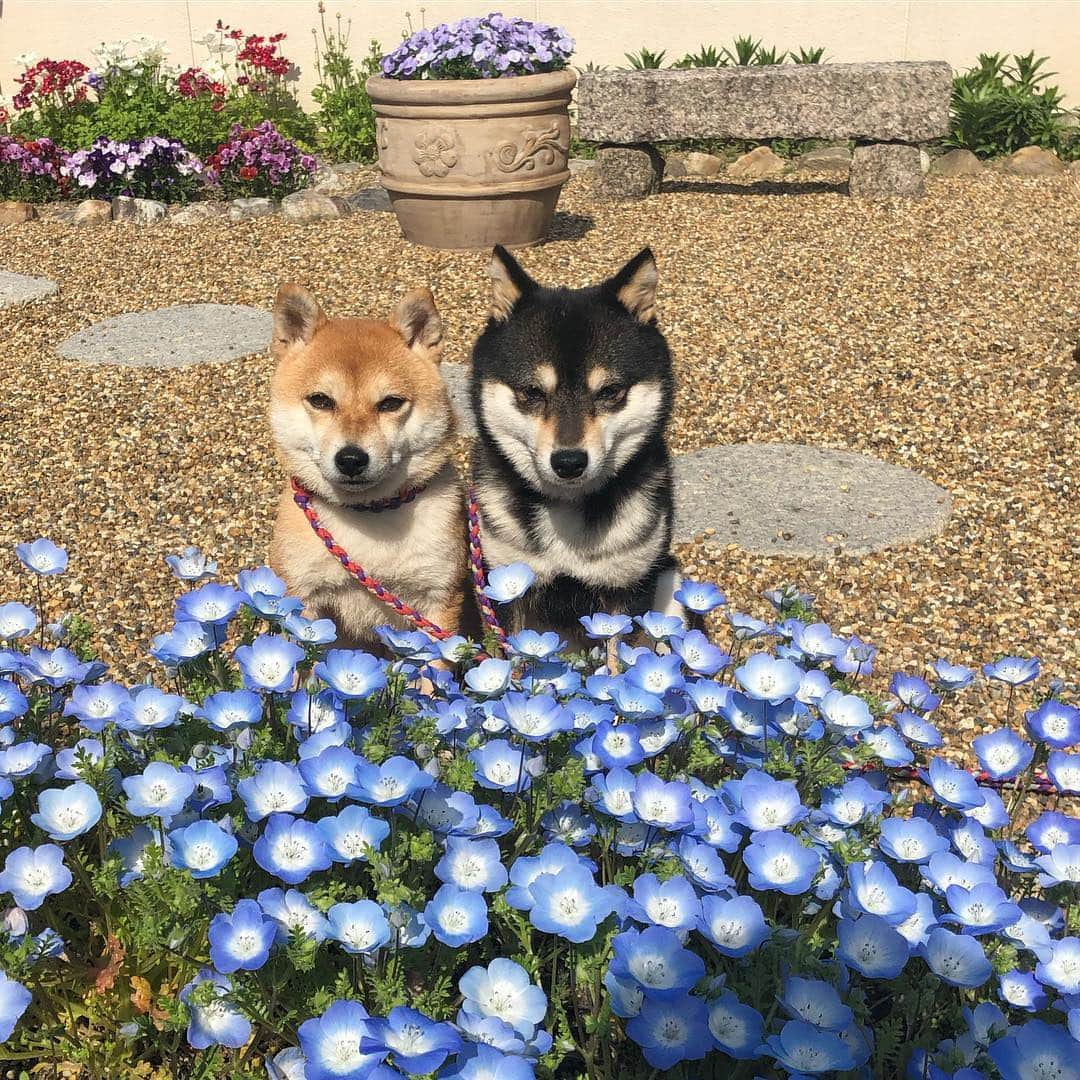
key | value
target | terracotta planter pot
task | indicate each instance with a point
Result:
(469, 163)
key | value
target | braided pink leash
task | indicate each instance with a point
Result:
(479, 575)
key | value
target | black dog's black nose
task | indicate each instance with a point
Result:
(351, 461)
(569, 464)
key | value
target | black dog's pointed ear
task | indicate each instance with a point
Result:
(509, 283)
(634, 286)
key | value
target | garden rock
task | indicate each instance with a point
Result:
(629, 172)
(826, 159)
(375, 198)
(310, 206)
(22, 289)
(580, 165)
(924, 161)
(1074, 169)
(199, 212)
(141, 211)
(15, 213)
(699, 164)
(173, 336)
(761, 162)
(804, 501)
(958, 163)
(675, 167)
(886, 170)
(1034, 161)
(334, 183)
(92, 212)
(254, 207)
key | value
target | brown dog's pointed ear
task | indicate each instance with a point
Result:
(418, 321)
(509, 283)
(634, 286)
(297, 316)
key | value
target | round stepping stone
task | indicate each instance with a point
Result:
(803, 501)
(456, 377)
(173, 336)
(21, 288)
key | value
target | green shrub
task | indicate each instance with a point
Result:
(998, 107)
(707, 56)
(346, 119)
(645, 59)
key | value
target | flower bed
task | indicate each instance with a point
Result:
(658, 859)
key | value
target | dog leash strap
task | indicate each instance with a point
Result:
(479, 575)
(302, 498)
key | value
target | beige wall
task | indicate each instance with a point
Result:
(952, 30)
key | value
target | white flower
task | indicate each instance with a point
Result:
(26, 59)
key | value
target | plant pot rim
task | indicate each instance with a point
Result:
(469, 91)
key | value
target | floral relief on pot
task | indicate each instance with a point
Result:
(538, 145)
(434, 152)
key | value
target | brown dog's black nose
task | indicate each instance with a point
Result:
(351, 461)
(569, 464)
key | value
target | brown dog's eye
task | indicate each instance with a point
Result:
(530, 397)
(612, 395)
(322, 402)
(390, 404)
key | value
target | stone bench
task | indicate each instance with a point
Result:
(886, 108)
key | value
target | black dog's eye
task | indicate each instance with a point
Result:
(612, 395)
(530, 397)
(322, 402)
(390, 404)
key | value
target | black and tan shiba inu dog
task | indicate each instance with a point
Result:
(572, 390)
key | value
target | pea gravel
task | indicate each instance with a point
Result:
(936, 335)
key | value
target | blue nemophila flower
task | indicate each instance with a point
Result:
(816, 642)
(504, 991)
(635, 703)
(672, 903)
(567, 823)
(1047, 831)
(699, 654)
(887, 744)
(874, 890)
(265, 593)
(489, 678)
(483, 1062)
(853, 802)
(655, 674)
(64, 813)
(419, 1044)
(14, 999)
(845, 714)
(187, 640)
(768, 803)
(291, 849)
(737, 1028)
(132, 852)
(656, 959)
(151, 709)
(535, 717)
(872, 947)
(160, 790)
(457, 916)
(1013, 670)
(293, 913)
(857, 659)
(746, 628)
(553, 859)
(1028, 933)
(507, 583)
(972, 842)
(21, 759)
(310, 631)
(982, 910)
(601, 625)
(268, 664)
(274, 788)
(99, 705)
(16, 621)
(919, 731)
(663, 804)
(472, 864)
(777, 861)
(659, 626)
(952, 677)
(13, 702)
(1021, 990)
(815, 1001)
(331, 1044)
(614, 793)
(352, 834)
(945, 869)
(703, 865)
(913, 692)
(228, 710)
(1058, 968)
(360, 927)
(670, 1031)
(956, 959)
(32, 874)
(42, 557)
(952, 786)
(1034, 1051)
(1003, 754)
(912, 839)
(1055, 723)
(569, 904)
(617, 745)
(1064, 770)
(393, 782)
(58, 667)
(986, 1022)
(991, 813)
(210, 605)
(330, 773)
(498, 766)
(351, 674)
(191, 565)
(68, 760)
(241, 940)
(764, 678)
(802, 1048)
(536, 645)
(1061, 866)
(202, 848)
(699, 596)
(287, 1064)
(736, 926)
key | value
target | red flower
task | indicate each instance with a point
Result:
(248, 172)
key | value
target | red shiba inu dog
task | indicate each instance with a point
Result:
(362, 420)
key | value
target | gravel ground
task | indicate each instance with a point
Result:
(936, 335)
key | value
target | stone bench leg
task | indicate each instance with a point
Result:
(628, 172)
(886, 171)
